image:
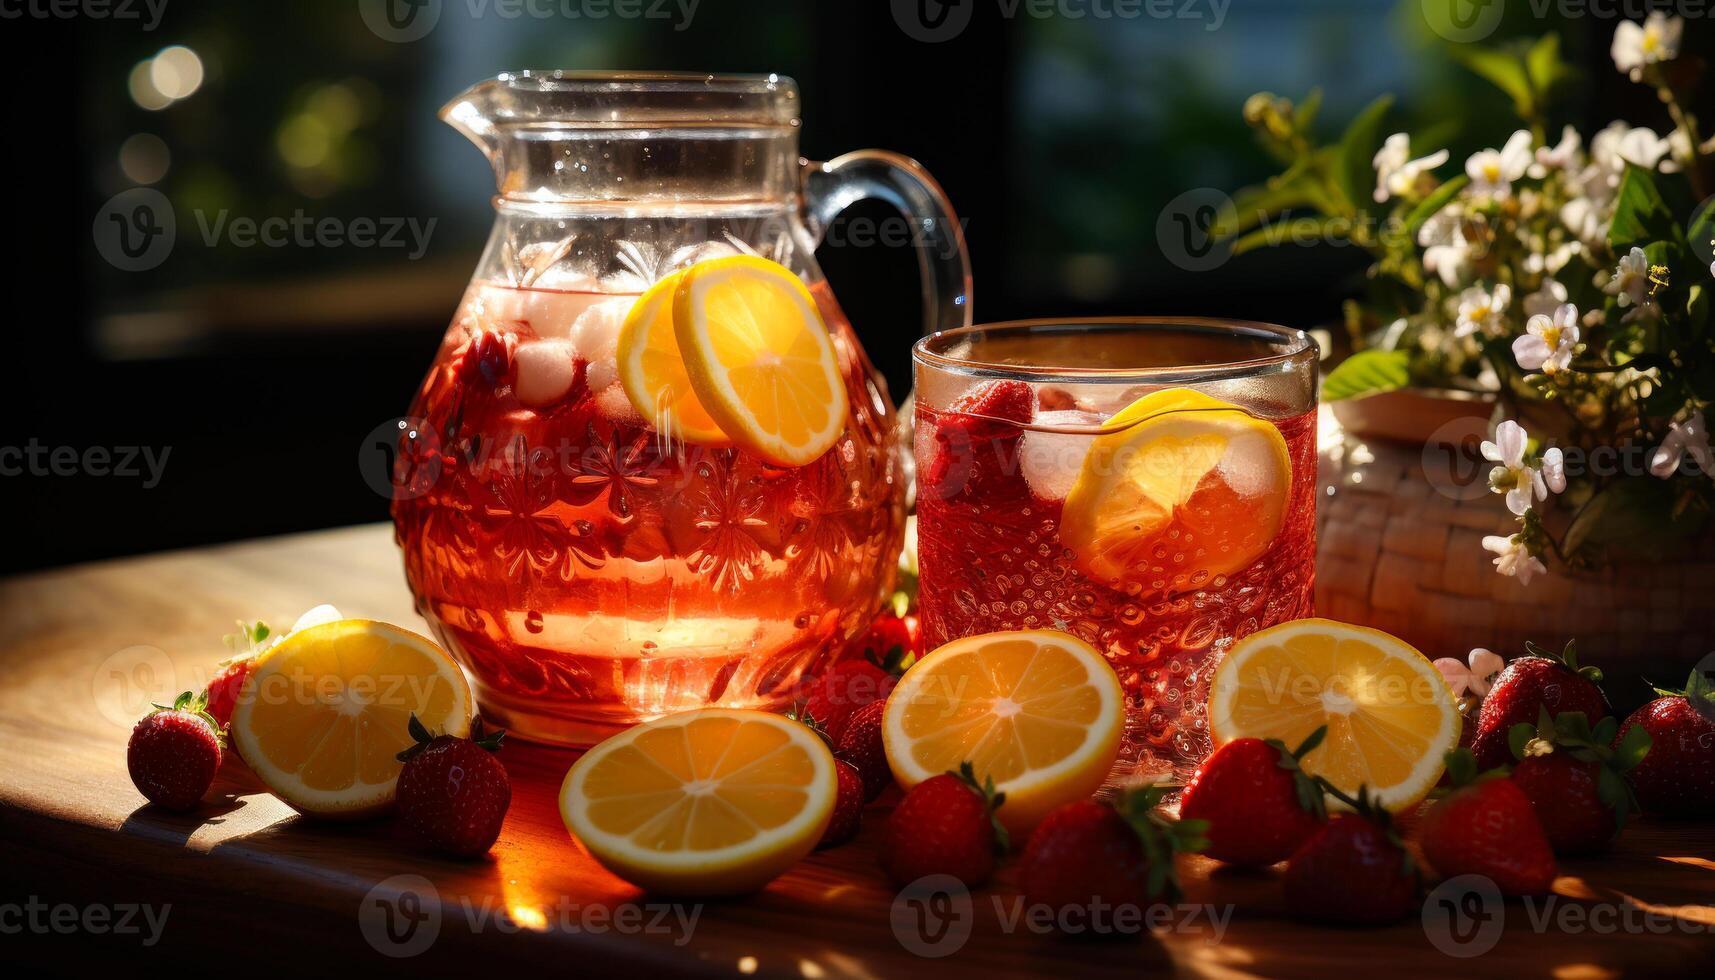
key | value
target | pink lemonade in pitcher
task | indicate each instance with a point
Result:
(580, 560)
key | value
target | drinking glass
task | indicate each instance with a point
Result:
(1145, 484)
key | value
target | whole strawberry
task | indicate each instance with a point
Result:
(453, 793)
(174, 753)
(223, 688)
(848, 807)
(1088, 856)
(1527, 686)
(1259, 805)
(1677, 777)
(861, 745)
(945, 825)
(1486, 826)
(973, 445)
(892, 637)
(844, 688)
(1353, 869)
(1575, 779)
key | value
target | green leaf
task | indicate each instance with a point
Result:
(1355, 174)
(1436, 200)
(1506, 69)
(1640, 215)
(1544, 67)
(1519, 736)
(1633, 747)
(1292, 231)
(1366, 373)
(1255, 205)
(1305, 115)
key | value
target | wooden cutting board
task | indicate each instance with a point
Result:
(250, 882)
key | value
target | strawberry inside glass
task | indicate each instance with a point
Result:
(1145, 485)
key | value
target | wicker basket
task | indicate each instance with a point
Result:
(1401, 550)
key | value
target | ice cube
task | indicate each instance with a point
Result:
(595, 336)
(316, 616)
(613, 402)
(531, 312)
(1248, 465)
(547, 369)
(1051, 461)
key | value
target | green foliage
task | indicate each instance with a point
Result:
(1527, 72)
(1367, 373)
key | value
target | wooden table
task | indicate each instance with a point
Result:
(251, 883)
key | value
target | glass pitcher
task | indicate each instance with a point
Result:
(588, 569)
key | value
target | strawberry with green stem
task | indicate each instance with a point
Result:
(1677, 777)
(1258, 802)
(1088, 854)
(946, 825)
(1541, 679)
(1575, 777)
(174, 752)
(1487, 826)
(1354, 868)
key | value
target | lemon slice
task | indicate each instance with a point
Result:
(653, 373)
(716, 801)
(323, 713)
(1039, 712)
(1390, 715)
(1190, 489)
(759, 357)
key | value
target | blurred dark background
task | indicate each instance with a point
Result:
(259, 370)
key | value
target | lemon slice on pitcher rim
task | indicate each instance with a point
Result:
(323, 713)
(715, 801)
(1390, 715)
(1039, 712)
(760, 358)
(1187, 489)
(652, 371)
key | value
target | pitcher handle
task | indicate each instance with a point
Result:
(832, 186)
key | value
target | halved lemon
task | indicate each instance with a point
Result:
(1190, 489)
(324, 712)
(715, 801)
(1039, 712)
(759, 357)
(1390, 715)
(652, 372)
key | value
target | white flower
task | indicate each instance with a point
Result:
(1554, 470)
(1512, 475)
(1547, 298)
(1654, 41)
(1492, 171)
(1473, 679)
(1587, 219)
(1549, 341)
(1513, 558)
(1620, 144)
(1690, 436)
(1484, 312)
(1630, 284)
(1445, 250)
(1397, 173)
(1566, 155)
